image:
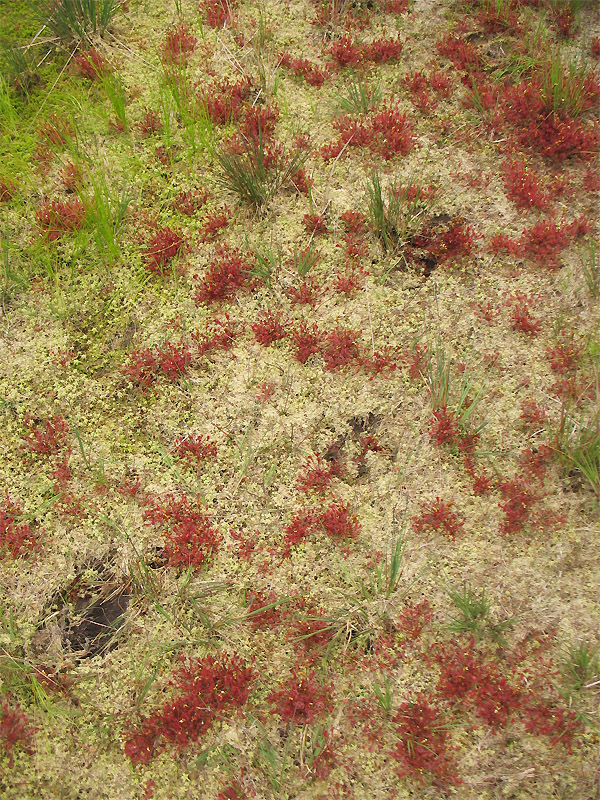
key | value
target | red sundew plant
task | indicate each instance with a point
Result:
(207, 689)
(48, 436)
(413, 618)
(532, 414)
(16, 538)
(523, 321)
(520, 506)
(420, 85)
(307, 341)
(301, 700)
(56, 131)
(553, 133)
(438, 516)
(424, 752)
(340, 349)
(523, 186)
(461, 52)
(224, 101)
(179, 45)
(163, 246)
(312, 74)
(545, 240)
(91, 64)
(258, 123)
(189, 202)
(230, 272)
(16, 732)
(190, 539)
(306, 294)
(301, 525)
(444, 427)
(316, 474)
(150, 124)
(467, 678)
(387, 133)
(339, 523)
(220, 334)
(169, 361)
(218, 12)
(315, 224)
(195, 449)
(56, 217)
(562, 725)
(214, 223)
(269, 328)
(8, 190)
(566, 355)
(347, 52)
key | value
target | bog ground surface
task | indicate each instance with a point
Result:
(299, 399)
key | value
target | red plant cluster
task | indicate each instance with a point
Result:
(56, 131)
(387, 132)
(195, 449)
(306, 294)
(426, 89)
(340, 348)
(562, 725)
(258, 124)
(312, 74)
(543, 242)
(207, 689)
(164, 245)
(523, 186)
(316, 474)
(220, 335)
(565, 356)
(453, 243)
(56, 217)
(336, 521)
(214, 222)
(190, 539)
(423, 751)
(462, 53)
(413, 619)
(218, 12)
(444, 427)
(269, 328)
(179, 45)
(48, 436)
(556, 135)
(189, 202)
(301, 700)
(438, 516)
(339, 523)
(169, 361)
(15, 731)
(467, 678)
(347, 52)
(306, 341)
(150, 123)
(315, 224)
(8, 190)
(520, 504)
(522, 319)
(229, 272)
(224, 101)
(16, 538)
(91, 64)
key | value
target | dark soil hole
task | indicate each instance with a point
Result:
(100, 620)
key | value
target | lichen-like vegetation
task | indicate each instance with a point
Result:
(299, 399)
